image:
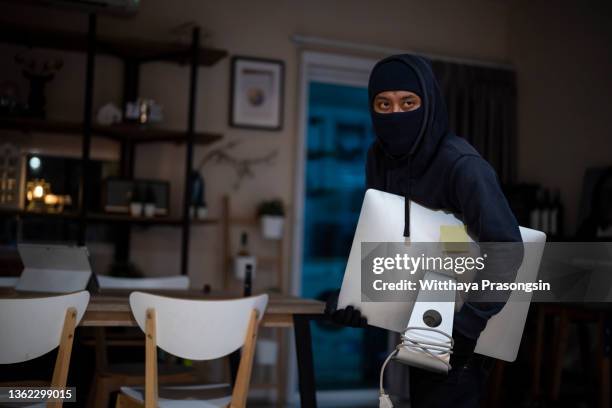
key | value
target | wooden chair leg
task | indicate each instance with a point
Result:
(62, 362)
(100, 348)
(151, 388)
(537, 354)
(102, 393)
(98, 397)
(241, 387)
(560, 349)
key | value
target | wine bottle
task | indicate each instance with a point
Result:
(545, 212)
(534, 214)
(556, 216)
(244, 245)
(243, 258)
(248, 280)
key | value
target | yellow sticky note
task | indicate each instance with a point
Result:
(454, 238)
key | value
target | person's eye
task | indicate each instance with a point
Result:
(384, 105)
(408, 103)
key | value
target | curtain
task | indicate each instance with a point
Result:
(481, 105)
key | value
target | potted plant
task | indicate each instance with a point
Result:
(272, 218)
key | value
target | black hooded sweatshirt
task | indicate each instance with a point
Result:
(443, 171)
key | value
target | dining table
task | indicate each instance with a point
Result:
(110, 308)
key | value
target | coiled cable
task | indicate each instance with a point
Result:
(435, 349)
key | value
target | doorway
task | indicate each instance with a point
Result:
(335, 134)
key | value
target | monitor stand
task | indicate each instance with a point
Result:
(427, 341)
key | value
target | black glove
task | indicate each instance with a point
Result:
(463, 350)
(346, 317)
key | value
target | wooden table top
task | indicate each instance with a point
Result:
(111, 307)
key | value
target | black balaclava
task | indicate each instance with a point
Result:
(397, 132)
(406, 141)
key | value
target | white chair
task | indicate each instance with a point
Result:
(162, 282)
(195, 330)
(8, 281)
(34, 326)
(108, 378)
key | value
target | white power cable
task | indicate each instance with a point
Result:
(434, 349)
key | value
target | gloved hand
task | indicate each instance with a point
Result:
(463, 350)
(349, 316)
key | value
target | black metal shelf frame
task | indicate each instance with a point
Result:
(194, 57)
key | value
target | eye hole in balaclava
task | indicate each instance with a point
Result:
(398, 131)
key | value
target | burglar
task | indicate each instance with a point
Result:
(415, 155)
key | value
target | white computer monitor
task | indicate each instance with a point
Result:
(382, 220)
(53, 268)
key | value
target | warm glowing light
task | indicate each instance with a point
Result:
(34, 163)
(39, 191)
(51, 199)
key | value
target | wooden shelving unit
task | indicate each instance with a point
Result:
(110, 218)
(124, 48)
(35, 214)
(133, 52)
(120, 132)
(121, 218)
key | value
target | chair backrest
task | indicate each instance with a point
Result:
(8, 281)
(31, 327)
(162, 282)
(198, 329)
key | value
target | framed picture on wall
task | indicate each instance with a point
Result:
(256, 94)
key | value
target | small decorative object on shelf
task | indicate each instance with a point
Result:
(202, 212)
(56, 203)
(149, 203)
(119, 195)
(36, 190)
(11, 177)
(136, 204)
(272, 218)
(131, 112)
(244, 259)
(136, 209)
(40, 198)
(38, 70)
(198, 208)
(109, 114)
(143, 111)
